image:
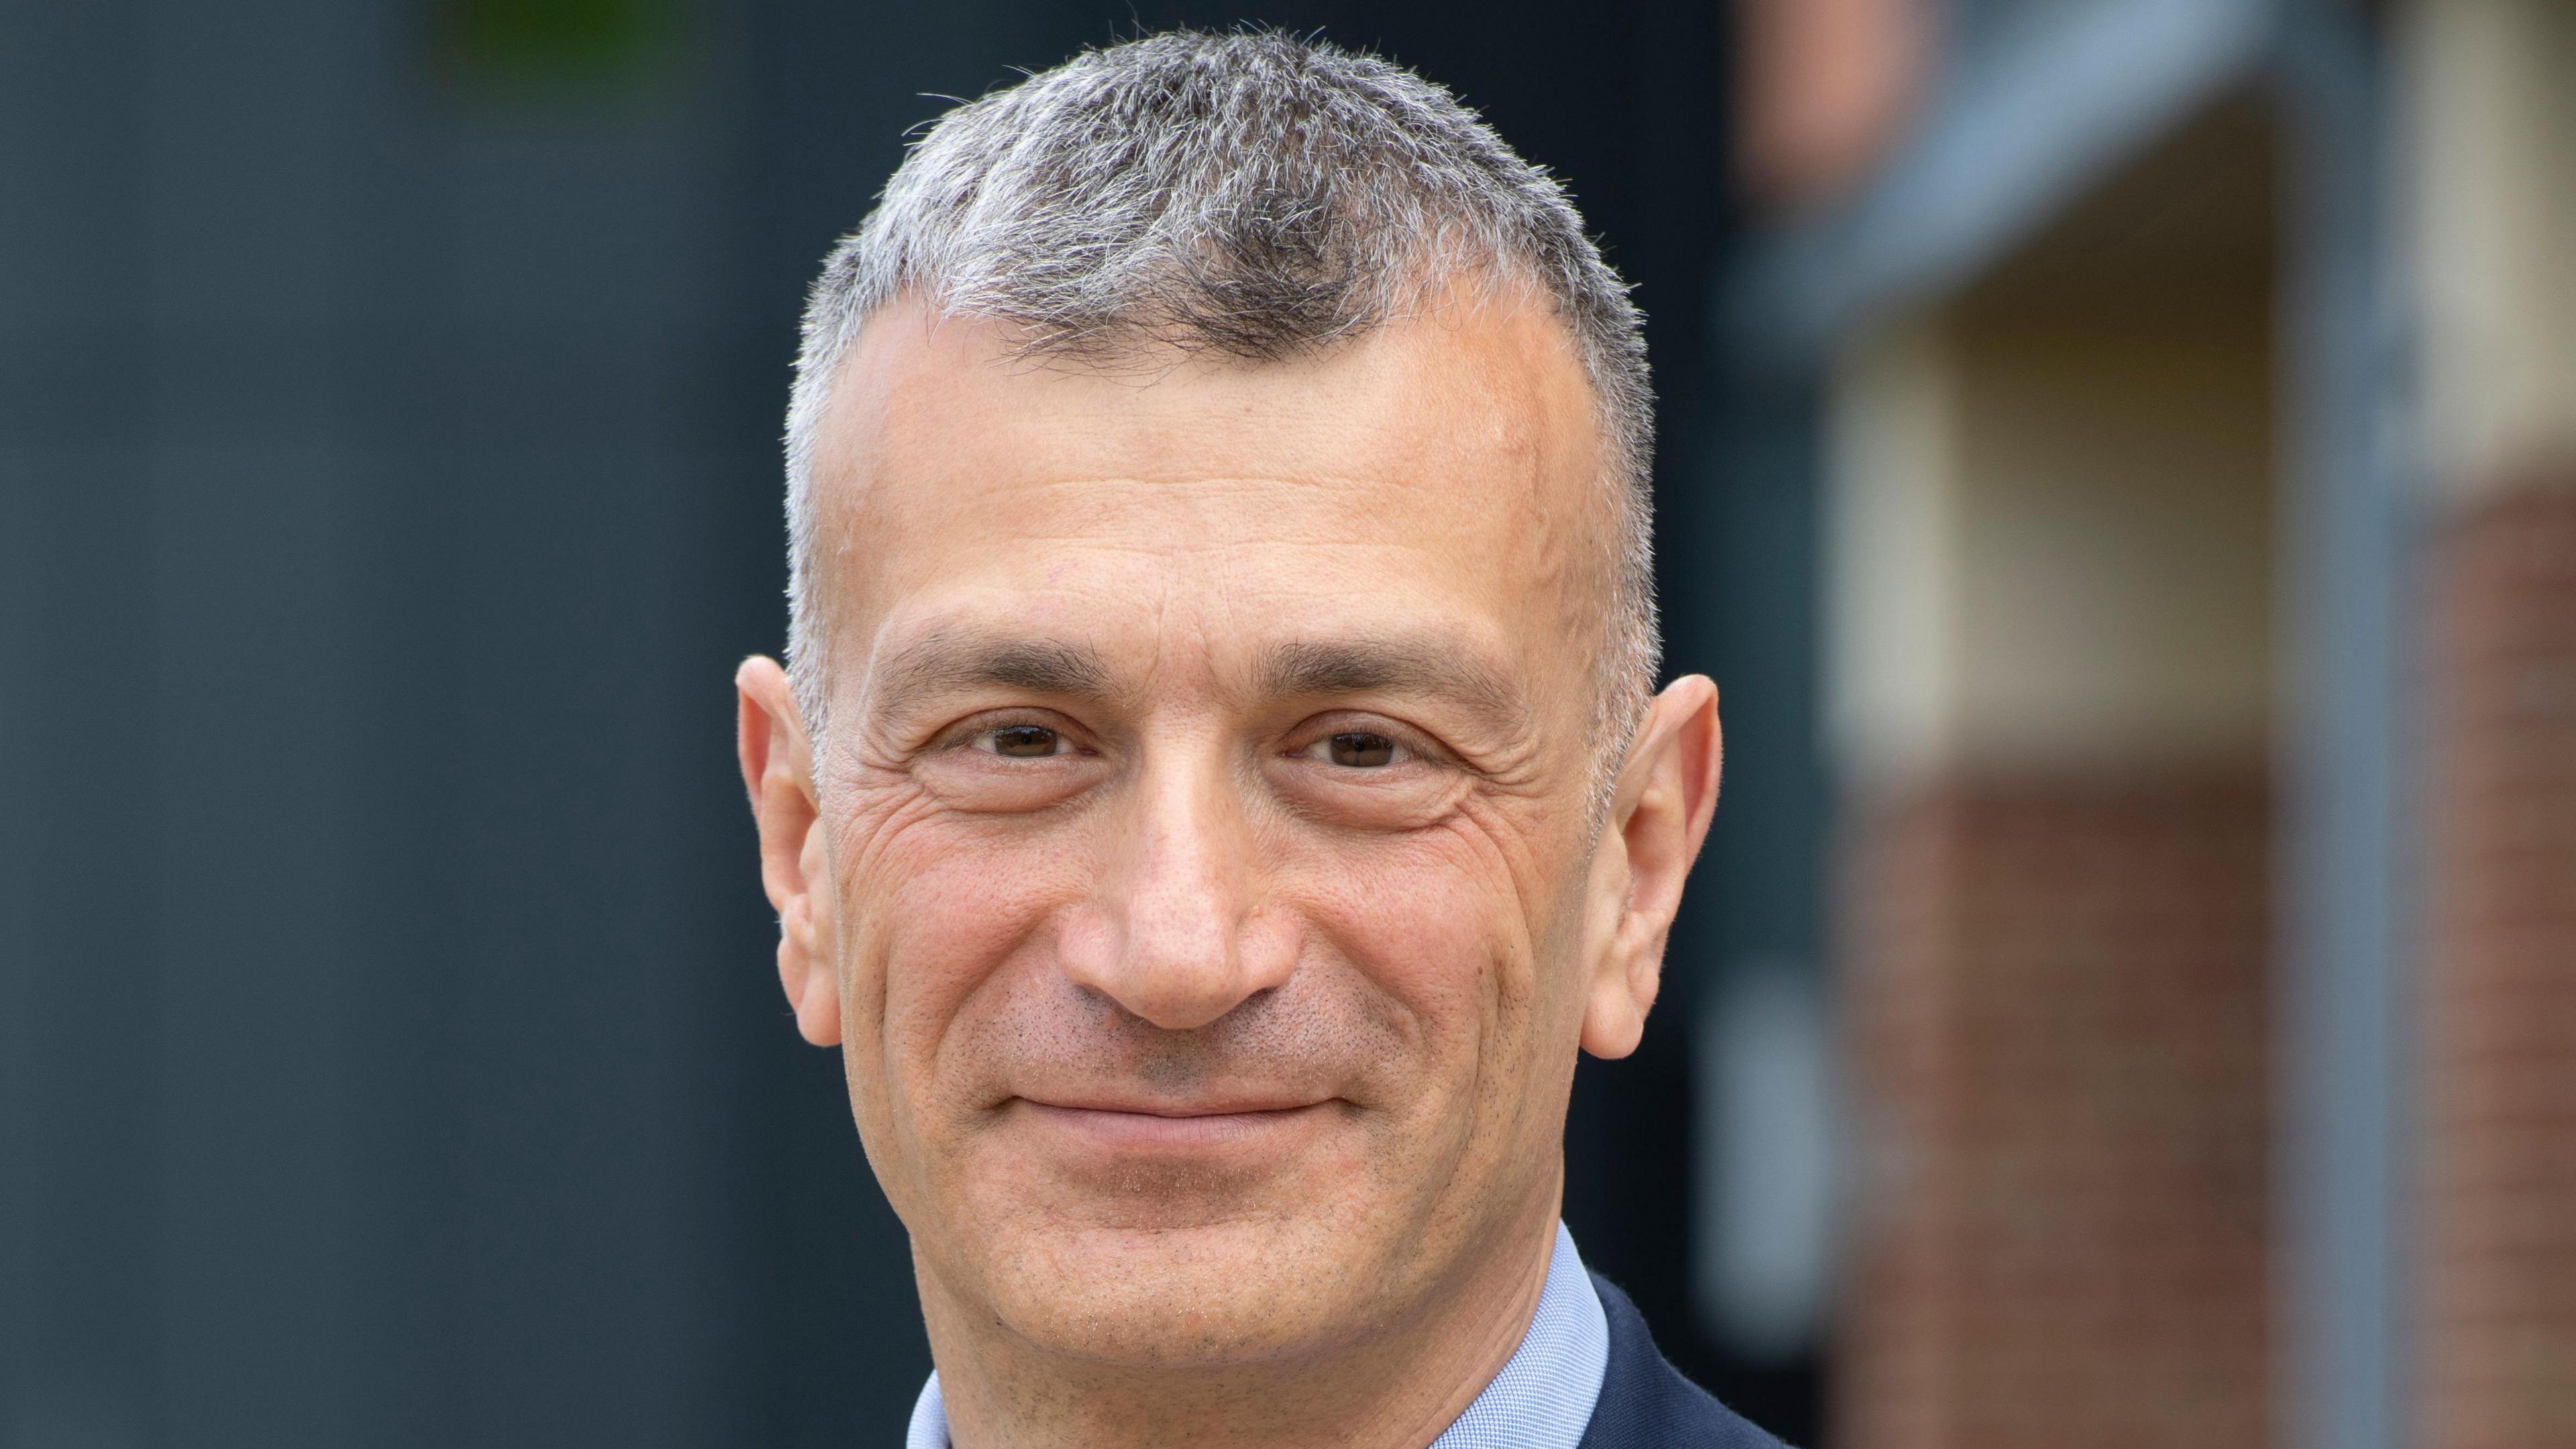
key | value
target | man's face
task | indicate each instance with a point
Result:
(1203, 892)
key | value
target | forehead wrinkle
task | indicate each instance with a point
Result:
(898, 442)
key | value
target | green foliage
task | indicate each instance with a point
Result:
(560, 46)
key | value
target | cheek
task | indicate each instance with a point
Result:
(1433, 919)
(936, 904)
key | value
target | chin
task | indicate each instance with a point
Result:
(1152, 1287)
(1140, 1239)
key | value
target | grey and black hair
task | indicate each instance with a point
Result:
(1250, 195)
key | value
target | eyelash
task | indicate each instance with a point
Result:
(1403, 746)
(983, 738)
(1401, 750)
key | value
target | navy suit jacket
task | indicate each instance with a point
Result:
(1647, 1404)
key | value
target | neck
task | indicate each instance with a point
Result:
(1389, 1387)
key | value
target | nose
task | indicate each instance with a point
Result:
(1175, 933)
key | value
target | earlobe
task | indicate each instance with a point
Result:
(1666, 795)
(795, 872)
(805, 966)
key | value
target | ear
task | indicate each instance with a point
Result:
(778, 771)
(1659, 813)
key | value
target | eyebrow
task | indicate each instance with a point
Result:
(1397, 666)
(951, 660)
(954, 660)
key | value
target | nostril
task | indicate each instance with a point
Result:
(1183, 1008)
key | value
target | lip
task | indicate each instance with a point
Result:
(1173, 1128)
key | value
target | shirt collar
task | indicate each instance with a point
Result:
(1542, 1399)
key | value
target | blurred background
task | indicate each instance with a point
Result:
(2119, 462)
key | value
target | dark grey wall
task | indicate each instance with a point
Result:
(389, 1053)
(390, 489)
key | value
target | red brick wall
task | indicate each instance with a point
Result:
(2056, 994)
(2499, 1070)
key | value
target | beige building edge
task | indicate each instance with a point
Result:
(2053, 590)
(2492, 123)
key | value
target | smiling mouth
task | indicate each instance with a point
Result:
(1163, 1128)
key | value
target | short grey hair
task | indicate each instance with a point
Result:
(1251, 195)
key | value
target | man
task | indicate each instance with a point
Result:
(1216, 785)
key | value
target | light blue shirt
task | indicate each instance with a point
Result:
(1542, 1399)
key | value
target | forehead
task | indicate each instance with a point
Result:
(1446, 468)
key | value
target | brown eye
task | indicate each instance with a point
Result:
(1362, 749)
(1024, 742)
